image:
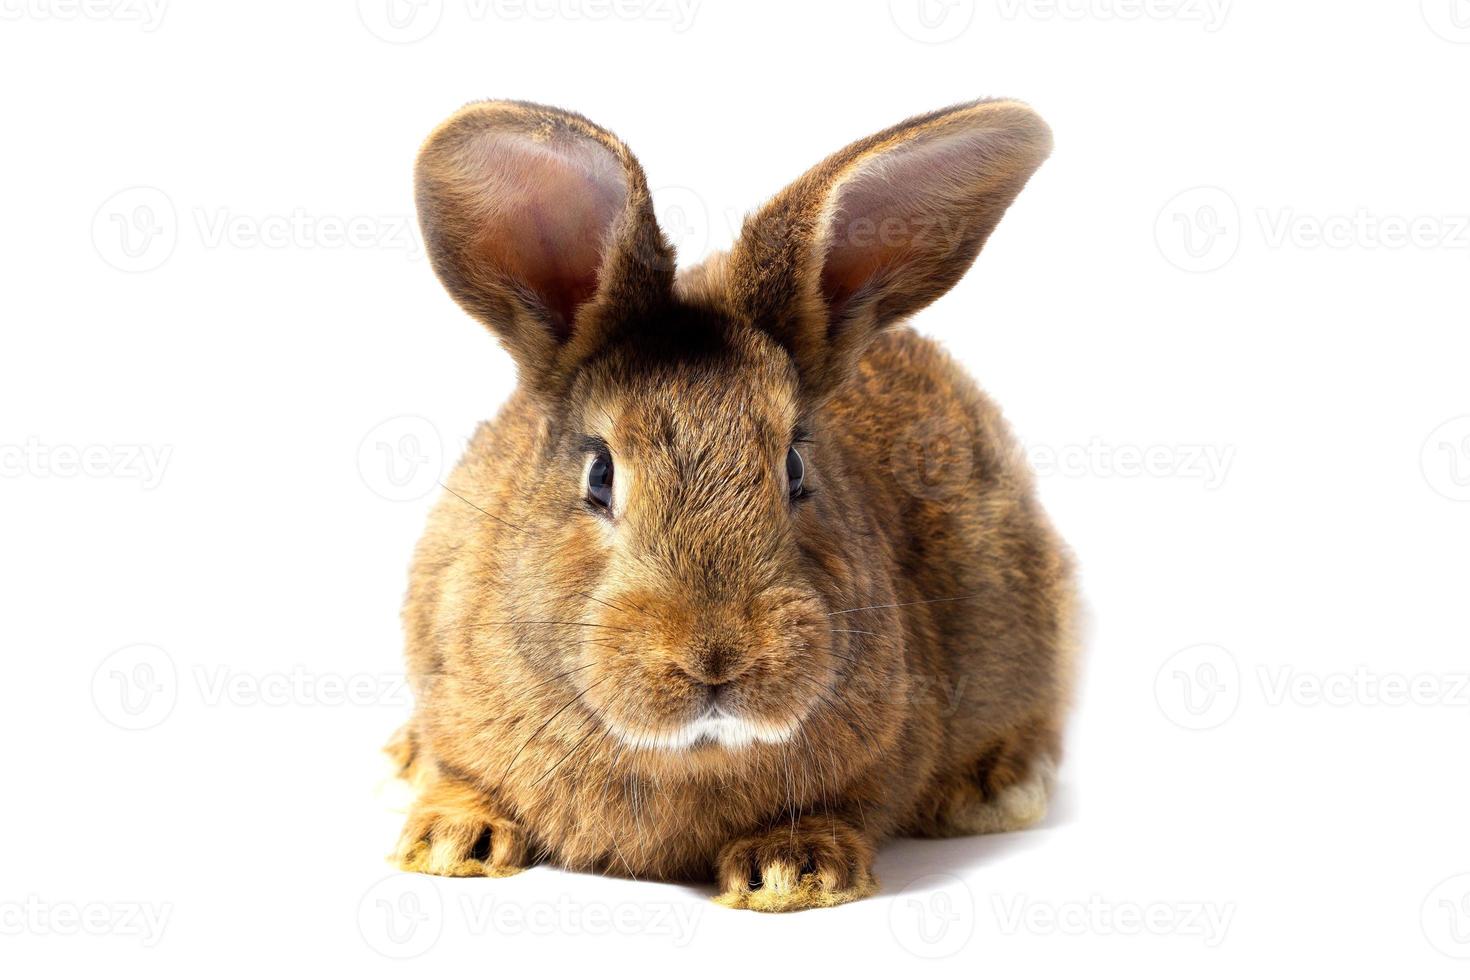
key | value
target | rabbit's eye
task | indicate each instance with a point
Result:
(795, 473)
(600, 480)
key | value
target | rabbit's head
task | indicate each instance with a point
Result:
(689, 527)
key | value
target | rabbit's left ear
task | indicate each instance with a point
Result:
(881, 229)
(540, 224)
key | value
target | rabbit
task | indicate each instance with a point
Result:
(695, 605)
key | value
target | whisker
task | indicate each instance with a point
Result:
(594, 718)
(895, 605)
(532, 622)
(557, 677)
(612, 767)
(848, 717)
(481, 509)
(556, 622)
(575, 698)
(610, 605)
(606, 728)
(564, 758)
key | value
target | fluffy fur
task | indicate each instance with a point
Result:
(710, 679)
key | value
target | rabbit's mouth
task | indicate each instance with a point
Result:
(668, 673)
(715, 726)
(719, 726)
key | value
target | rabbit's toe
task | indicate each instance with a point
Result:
(816, 863)
(455, 833)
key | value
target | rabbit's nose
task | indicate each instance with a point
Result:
(712, 665)
(712, 694)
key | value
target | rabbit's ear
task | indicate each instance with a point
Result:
(540, 224)
(881, 229)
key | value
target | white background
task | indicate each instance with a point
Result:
(221, 424)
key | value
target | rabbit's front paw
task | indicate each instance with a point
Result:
(817, 862)
(453, 831)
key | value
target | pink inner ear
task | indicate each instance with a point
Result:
(547, 213)
(911, 204)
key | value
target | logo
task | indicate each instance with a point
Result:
(933, 916)
(402, 458)
(136, 687)
(135, 230)
(932, 21)
(401, 916)
(1445, 917)
(933, 459)
(1199, 687)
(1199, 229)
(1450, 19)
(684, 219)
(400, 21)
(1445, 459)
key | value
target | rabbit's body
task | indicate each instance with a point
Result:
(699, 676)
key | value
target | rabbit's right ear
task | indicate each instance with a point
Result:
(879, 230)
(540, 225)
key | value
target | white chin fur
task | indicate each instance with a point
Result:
(726, 730)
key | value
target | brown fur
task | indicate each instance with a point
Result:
(901, 646)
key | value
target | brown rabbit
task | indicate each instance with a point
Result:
(695, 604)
